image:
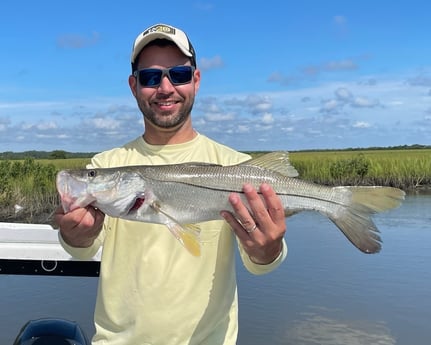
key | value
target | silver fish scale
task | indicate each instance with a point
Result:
(232, 178)
(195, 185)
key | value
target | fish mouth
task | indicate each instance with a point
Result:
(71, 191)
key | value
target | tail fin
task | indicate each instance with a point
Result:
(355, 219)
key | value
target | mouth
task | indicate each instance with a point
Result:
(72, 192)
(166, 103)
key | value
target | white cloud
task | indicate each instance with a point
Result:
(267, 118)
(243, 129)
(363, 102)
(262, 107)
(420, 80)
(312, 71)
(76, 41)
(4, 123)
(330, 105)
(214, 117)
(210, 63)
(343, 94)
(361, 124)
(46, 125)
(288, 129)
(341, 65)
(282, 79)
(103, 123)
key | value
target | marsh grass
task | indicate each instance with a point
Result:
(405, 169)
(27, 188)
(28, 193)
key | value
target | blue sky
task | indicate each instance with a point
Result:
(287, 75)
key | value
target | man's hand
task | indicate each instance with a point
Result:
(260, 230)
(80, 227)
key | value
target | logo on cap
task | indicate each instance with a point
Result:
(160, 28)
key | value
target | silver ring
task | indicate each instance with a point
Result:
(252, 229)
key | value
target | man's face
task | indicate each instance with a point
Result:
(165, 107)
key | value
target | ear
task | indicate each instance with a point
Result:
(133, 82)
(197, 80)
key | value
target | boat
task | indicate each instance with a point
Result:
(34, 249)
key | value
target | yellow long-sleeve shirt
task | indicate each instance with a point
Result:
(151, 290)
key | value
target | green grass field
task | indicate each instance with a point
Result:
(405, 169)
(70, 163)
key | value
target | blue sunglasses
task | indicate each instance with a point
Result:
(152, 77)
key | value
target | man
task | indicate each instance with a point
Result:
(151, 290)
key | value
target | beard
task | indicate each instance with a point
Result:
(166, 119)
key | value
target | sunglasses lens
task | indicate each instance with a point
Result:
(150, 77)
(180, 74)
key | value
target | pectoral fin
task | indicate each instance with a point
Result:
(187, 235)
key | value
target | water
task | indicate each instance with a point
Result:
(329, 293)
(326, 292)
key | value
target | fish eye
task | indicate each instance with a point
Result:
(91, 173)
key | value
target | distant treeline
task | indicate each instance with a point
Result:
(374, 148)
(60, 154)
(56, 154)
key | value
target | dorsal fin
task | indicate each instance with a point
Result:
(276, 161)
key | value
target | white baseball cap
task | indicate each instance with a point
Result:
(167, 32)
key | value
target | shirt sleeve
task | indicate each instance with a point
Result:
(83, 253)
(258, 269)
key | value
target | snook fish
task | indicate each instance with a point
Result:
(182, 195)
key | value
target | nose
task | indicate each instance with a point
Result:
(165, 85)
